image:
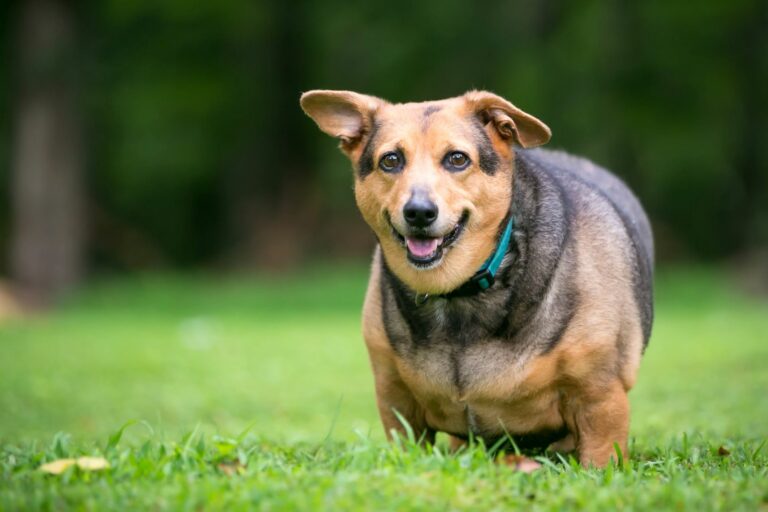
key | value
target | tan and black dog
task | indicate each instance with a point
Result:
(511, 290)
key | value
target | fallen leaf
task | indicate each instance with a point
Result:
(521, 463)
(723, 451)
(231, 468)
(57, 467)
(92, 463)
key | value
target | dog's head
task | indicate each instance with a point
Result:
(433, 179)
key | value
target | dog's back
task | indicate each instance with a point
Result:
(580, 179)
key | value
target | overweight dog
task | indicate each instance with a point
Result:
(511, 288)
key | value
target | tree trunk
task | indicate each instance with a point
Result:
(750, 155)
(47, 244)
(270, 195)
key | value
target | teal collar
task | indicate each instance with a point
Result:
(486, 274)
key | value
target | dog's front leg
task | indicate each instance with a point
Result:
(456, 443)
(392, 395)
(599, 419)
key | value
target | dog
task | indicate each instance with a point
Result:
(511, 288)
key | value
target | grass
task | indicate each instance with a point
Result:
(242, 393)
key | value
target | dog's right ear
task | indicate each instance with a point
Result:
(343, 114)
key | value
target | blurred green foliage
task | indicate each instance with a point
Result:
(195, 136)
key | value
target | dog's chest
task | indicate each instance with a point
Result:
(485, 388)
(457, 346)
(466, 365)
(460, 371)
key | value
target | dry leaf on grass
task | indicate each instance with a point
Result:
(92, 463)
(231, 468)
(521, 463)
(57, 467)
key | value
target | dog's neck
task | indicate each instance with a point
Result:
(485, 276)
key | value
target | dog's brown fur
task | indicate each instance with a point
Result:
(578, 382)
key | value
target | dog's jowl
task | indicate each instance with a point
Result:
(510, 291)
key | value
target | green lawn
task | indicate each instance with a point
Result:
(274, 374)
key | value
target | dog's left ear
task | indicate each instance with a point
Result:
(343, 114)
(510, 122)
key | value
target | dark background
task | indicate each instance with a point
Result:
(162, 134)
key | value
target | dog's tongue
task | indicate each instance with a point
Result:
(422, 247)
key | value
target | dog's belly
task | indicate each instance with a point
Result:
(493, 419)
(486, 389)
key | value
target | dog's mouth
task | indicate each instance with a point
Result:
(426, 251)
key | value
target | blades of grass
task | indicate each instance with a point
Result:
(608, 473)
(757, 450)
(498, 444)
(411, 436)
(480, 449)
(422, 441)
(514, 446)
(511, 440)
(574, 464)
(200, 448)
(562, 459)
(60, 444)
(396, 437)
(187, 439)
(437, 453)
(619, 455)
(335, 417)
(116, 436)
(562, 467)
(361, 436)
(471, 440)
(241, 436)
(114, 439)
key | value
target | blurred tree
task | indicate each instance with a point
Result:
(199, 154)
(48, 234)
(751, 155)
(273, 204)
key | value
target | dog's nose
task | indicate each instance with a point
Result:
(419, 211)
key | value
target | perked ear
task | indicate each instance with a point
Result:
(510, 122)
(343, 114)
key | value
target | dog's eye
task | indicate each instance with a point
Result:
(456, 161)
(391, 162)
